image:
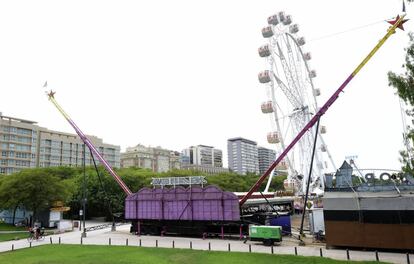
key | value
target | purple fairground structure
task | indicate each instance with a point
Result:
(179, 203)
(192, 210)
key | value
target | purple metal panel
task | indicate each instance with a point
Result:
(227, 211)
(213, 193)
(171, 194)
(207, 210)
(130, 207)
(197, 193)
(231, 206)
(158, 194)
(181, 194)
(150, 209)
(145, 194)
(198, 214)
(213, 209)
(200, 204)
(174, 210)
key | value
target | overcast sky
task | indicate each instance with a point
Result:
(180, 73)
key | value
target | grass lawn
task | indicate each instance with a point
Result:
(7, 237)
(7, 227)
(68, 254)
(13, 236)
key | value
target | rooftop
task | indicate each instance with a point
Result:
(243, 140)
(16, 119)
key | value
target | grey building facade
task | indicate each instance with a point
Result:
(266, 158)
(243, 156)
(24, 144)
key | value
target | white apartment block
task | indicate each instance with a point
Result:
(203, 155)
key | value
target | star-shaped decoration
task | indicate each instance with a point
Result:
(400, 25)
(51, 94)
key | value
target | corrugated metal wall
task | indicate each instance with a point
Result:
(195, 203)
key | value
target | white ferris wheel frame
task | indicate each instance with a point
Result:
(294, 91)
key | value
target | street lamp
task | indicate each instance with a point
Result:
(83, 211)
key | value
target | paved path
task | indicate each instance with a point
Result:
(122, 237)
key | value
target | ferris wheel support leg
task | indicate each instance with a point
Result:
(309, 176)
(331, 160)
(268, 182)
(329, 155)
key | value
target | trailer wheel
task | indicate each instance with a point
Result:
(268, 242)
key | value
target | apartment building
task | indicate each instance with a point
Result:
(266, 158)
(242, 155)
(156, 159)
(203, 158)
(24, 144)
(203, 155)
(63, 149)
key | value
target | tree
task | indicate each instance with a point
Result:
(34, 189)
(404, 85)
(23, 188)
(10, 196)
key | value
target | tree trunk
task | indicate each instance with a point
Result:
(14, 214)
(34, 216)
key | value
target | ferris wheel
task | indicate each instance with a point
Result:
(291, 103)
